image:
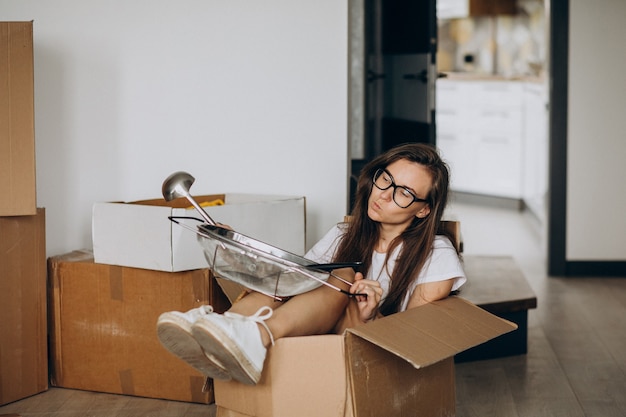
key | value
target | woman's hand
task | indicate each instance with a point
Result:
(368, 305)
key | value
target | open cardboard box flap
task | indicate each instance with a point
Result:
(440, 330)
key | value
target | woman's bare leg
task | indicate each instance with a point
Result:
(350, 318)
(252, 302)
(313, 312)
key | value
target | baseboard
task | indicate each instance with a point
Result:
(603, 269)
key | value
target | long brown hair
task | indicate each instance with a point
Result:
(363, 233)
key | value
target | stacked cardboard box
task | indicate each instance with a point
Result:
(23, 336)
(104, 304)
(103, 327)
(17, 116)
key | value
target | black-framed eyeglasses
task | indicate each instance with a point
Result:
(402, 196)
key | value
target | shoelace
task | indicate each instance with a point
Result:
(206, 309)
(259, 317)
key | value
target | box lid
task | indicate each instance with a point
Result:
(433, 332)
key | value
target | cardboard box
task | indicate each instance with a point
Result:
(17, 120)
(103, 327)
(399, 365)
(23, 335)
(139, 234)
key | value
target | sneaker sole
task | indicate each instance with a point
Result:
(174, 336)
(216, 342)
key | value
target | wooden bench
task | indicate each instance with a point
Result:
(496, 284)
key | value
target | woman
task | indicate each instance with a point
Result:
(400, 200)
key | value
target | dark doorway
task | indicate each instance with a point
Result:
(400, 63)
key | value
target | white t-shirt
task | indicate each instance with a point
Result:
(442, 264)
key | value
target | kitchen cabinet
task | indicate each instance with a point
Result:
(494, 136)
(480, 135)
(535, 167)
(454, 9)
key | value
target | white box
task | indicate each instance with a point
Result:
(139, 234)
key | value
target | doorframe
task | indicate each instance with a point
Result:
(358, 148)
(558, 264)
(356, 80)
(557, 154)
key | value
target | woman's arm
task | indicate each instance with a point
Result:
(431, 291)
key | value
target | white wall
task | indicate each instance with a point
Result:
(596, 168)
(249, 96)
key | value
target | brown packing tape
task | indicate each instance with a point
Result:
(116, 282)
(126, 382)
(197, 383)
(200, 290)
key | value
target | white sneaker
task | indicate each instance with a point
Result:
(235, 341)
(174, 332)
